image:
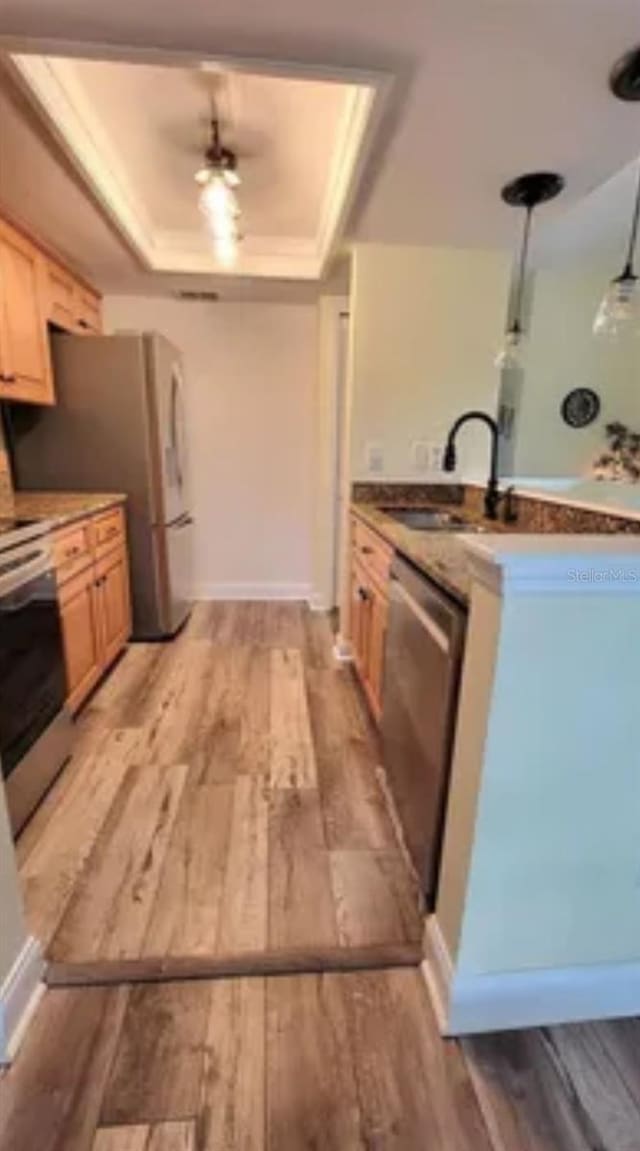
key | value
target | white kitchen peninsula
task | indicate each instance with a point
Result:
(538, 912)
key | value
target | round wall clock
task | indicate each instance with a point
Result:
(580, 407)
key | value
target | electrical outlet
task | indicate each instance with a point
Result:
(435, 458)
(375, 459)
(420, 455)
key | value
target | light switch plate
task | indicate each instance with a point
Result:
(375, 458)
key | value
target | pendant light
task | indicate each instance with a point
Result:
(525, 192)
(620, 308)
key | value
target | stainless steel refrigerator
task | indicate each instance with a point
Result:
(118, 426)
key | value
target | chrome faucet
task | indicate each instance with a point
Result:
(492, 494)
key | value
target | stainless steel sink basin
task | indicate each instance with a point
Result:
(430, 520)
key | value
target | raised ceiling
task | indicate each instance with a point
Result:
(484, 89)
(137, 132)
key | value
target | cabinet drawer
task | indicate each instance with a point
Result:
(372, 552)
(108, 532)
(71, 550)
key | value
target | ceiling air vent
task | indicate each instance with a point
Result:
(187, 294)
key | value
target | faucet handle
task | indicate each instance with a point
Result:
(509, 505)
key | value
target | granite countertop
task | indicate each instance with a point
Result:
(63, 507)
(440, 555)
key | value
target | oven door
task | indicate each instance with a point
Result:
(32, 671)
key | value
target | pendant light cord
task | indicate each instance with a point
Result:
(628, 271)
(522, 267)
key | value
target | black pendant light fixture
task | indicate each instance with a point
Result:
(620, 308)
(526, 192)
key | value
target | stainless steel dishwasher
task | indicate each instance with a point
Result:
(423, 657)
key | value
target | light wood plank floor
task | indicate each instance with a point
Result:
(330, 1062)
(221, 813)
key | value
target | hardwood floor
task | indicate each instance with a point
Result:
(221, 816)
(222, 802)
(322, 1062)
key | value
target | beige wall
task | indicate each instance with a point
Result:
(562, 354)
(250, 372)
(426, 323)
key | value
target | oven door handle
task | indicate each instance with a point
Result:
(13, 580)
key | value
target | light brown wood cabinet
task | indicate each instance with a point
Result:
(369, 606)
(93, 591)
(69, 304)
(36, 291)
(25, 362)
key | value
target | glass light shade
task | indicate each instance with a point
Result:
(226, 249)
(217, 201)
(620, 308)
(510, 354)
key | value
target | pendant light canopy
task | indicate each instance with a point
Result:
(620, 308)
(525, 192)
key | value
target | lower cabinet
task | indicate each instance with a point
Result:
(369, 607)
(95, 608)
(113, 604)
(79, 615)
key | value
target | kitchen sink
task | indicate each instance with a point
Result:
(431, 520)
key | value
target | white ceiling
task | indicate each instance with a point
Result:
(137, 132)
(485, 89)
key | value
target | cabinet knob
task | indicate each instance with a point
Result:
(366, 551)
(363, 593)
(7, 378)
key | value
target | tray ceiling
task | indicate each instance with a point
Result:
(138, 132)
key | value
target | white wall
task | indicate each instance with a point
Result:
(426, 324)
(561, 354)
(250, 373)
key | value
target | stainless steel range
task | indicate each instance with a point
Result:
(35, 728)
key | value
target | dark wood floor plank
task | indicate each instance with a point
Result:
(621, 1039)
(185, 914)
(50, 1099)
(109, 910)
(232, 1104)
(301, 903)
(608, 1103)
(158, 1065)
(527, 1105)
(413, 1089)
(172, 712)
(376, 900)
(312, 1100)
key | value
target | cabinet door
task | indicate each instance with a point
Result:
(377, 620)
(61, 298)
(114, 604)
(26, 365)
(81, 635)
(358, 618)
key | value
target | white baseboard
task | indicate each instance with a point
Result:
(19, 996)
(466, 1004)
(252, 591)
(342, 649)
(318, 603)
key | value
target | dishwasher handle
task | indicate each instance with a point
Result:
(400, 594)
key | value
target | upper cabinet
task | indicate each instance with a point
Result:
(25, 363)
(69, 304)
(36, 291)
